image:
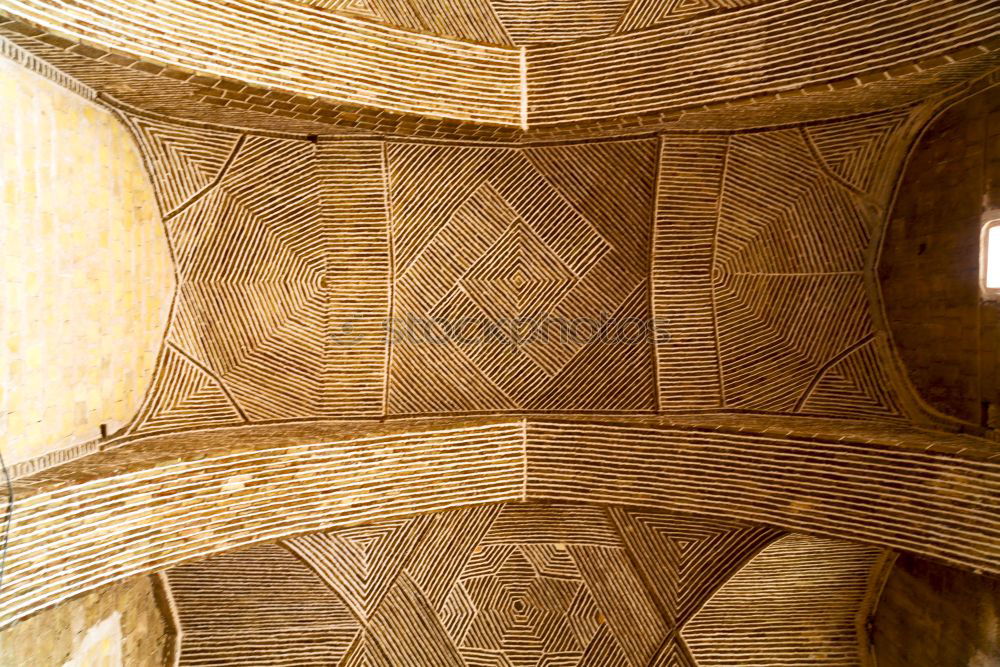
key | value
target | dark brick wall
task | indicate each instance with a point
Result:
(931, 615)
(948, 338)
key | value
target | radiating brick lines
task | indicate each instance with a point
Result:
(776, 331)
(780, 214)
(281, 248)
(285, 291)
(789, 256)
(534, 584)
(264, 248)
(758, 269)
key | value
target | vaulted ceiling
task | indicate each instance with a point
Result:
(292, 67)
(526, 23)
(360, 445)
(530, 584)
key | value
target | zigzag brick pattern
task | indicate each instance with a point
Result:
(303, 159)
(513, 270)
(645, 13)
(286, 290)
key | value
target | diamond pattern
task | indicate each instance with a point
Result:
(518, 281)
(508, 263)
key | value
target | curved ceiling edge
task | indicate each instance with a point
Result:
(161, 501)
(364, 76)
(919, 407)
(302, 52)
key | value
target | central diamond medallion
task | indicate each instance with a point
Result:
(518, 281)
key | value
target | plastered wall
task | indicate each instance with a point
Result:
(85, 269)
(116, 626)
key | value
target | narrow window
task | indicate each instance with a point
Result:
(989, 264)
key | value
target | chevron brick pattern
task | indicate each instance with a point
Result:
(366, 446)
(642, 14)
(564, 20)
(508, 275)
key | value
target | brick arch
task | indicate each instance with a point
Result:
(160, 501)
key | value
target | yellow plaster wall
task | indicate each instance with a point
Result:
(85, 267)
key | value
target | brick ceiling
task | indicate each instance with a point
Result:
(720, 170)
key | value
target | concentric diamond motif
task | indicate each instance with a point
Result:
(509, 268)
(518, 281)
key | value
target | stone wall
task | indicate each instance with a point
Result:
(86, 271)
(117, 625)
(933, 615)
(929, 272)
